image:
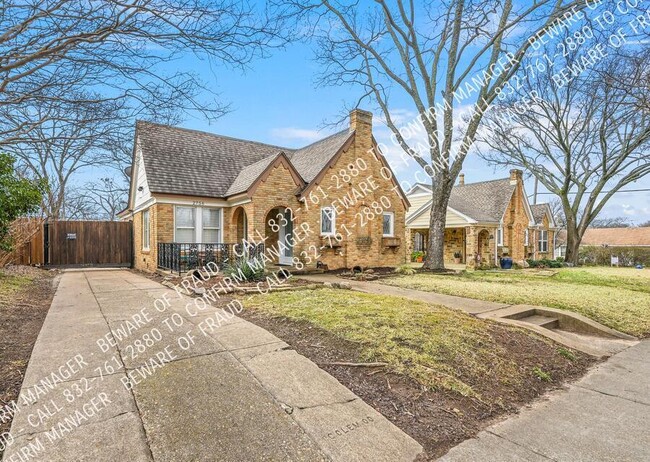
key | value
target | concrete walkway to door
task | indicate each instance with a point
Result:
(127, 369)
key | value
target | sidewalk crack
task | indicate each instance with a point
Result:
(521, 446)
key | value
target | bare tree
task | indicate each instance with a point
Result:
(438, 55)
(106, 196)
(72, 137)
(584, 140)
(611, 222)
(50, 50)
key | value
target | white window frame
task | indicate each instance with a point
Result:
(218, 228)
(543, 239)
(526, 237)
(333, 220)
(198, 223)
(500, 237)
(146, 229)
(392, 224)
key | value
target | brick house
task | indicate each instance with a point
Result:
(485, 221)
(195, 197)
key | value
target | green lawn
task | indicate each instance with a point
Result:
(616, 297)
(438, 347)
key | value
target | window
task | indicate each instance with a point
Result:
(543, 240)
(185, 225)
(526, 236)
(327, 220)
(197, 225)
(146, 232)
(211, 225)
(499, 236)
(388, 224)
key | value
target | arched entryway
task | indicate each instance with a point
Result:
(483, 248)
(278, 226)
(241, 224)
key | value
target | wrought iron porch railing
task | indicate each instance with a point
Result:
(180, 258)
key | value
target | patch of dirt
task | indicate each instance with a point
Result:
(22, 314)
(438, 420)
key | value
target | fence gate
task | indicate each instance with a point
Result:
(87, 243)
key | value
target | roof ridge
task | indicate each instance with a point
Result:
(216, 135)
(322, 139)
(481, 182)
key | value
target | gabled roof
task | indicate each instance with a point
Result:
(617, 236)
(486, 201)
(194, 163)
(483, 202)
(539, 210)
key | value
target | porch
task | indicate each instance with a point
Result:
(469, 246)
(180, 257)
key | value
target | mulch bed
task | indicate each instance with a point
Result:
(438, 420)
(22, 314)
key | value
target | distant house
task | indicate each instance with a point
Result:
(197, 197)
(485, 221)
(608, 237)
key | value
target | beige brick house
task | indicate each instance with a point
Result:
(195, 197)
(485, 221)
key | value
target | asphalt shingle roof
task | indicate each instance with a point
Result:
(484, 201)
(617, 236)
(538, 212)
(190, 162)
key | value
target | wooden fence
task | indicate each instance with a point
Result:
(72, 243)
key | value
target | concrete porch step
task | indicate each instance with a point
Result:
(542, 321)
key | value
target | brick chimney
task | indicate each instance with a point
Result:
(461, 179)
(361, 121)
(516, 176)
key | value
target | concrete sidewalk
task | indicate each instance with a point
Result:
(126, 369)
(468, 305)
(603, 417)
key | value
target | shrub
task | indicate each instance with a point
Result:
(545, 263)
(405, 269)
(627, 256)
(246, 270)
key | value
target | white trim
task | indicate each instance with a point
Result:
(333, 219)
(529, 211)
(425, 188)
(526, 237)
(146, 229)
(392, 224)
(198, 222)
(427, 205)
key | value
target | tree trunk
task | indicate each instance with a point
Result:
(435, 259)
(572, 249)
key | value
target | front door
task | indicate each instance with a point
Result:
(285, 237)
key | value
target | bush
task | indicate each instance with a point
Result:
(545, 263)
(246, 270)
(627, 256)
(406, 270)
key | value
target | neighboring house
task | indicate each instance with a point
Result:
(195, 196)
(484, 222)
(608, 237)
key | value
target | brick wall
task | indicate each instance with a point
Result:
(516, 221)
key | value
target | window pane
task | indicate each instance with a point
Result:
(185, 235)
(388, 224)
(210, 236)
(145, 229)
(326, 218)
(184, 217)
(211, 218)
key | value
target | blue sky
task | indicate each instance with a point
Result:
(276, 101)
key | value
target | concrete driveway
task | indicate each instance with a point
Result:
(126, 369)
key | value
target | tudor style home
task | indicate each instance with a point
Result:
(485, 221)
(195, 196)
